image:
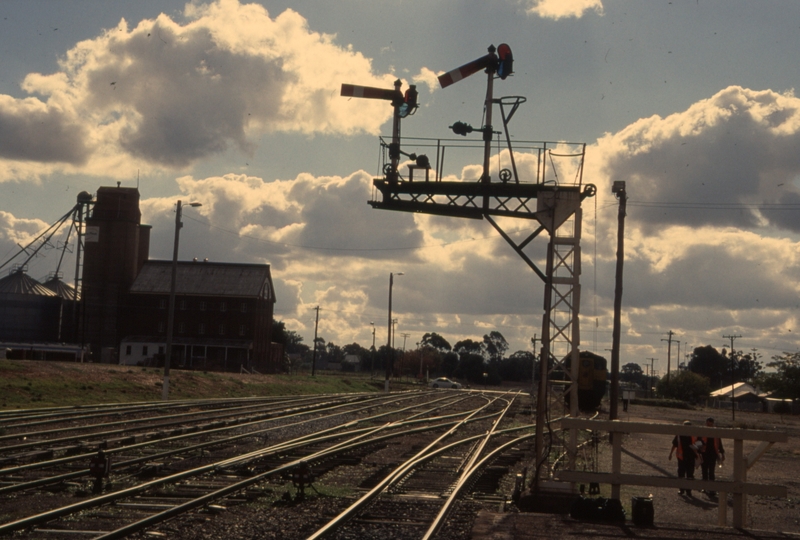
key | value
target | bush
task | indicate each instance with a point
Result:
(684, 386)
(669, 403)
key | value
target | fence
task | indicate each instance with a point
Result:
(737, 485)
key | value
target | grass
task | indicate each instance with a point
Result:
(34, 384)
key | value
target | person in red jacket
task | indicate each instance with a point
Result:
(712, 451)
(683, 446)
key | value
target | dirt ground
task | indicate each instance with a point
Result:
(678, 516)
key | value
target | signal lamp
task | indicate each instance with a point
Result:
(505, 66)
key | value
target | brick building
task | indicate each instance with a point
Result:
(223, 311)
(223, 316)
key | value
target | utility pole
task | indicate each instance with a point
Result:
(372, 363)
(405, 336)
(534, 340)
(314, 358)
(618, 189)
(652, 375)
(669, 351)
(733, 365)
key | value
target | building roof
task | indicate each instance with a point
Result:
(18, 282)
(57, 285)
(739, 389)
(206, 279)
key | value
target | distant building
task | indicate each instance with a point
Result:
(223, 316)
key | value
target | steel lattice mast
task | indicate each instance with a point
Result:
(552, 197)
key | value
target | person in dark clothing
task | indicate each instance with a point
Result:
(712, 451)
(683, 446)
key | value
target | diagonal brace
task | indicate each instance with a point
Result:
(518, 248)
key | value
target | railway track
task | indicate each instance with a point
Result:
(414, 449)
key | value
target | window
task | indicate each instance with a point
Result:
(144, 350)
(127, 350)
(162, 303)
(202, 306)
(242, 329)
(222, 329)
(244, 307)
(223, 306)
(201, 329)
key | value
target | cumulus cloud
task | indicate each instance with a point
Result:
(16, 233)
(558, 9)
(167, 93)
(726, 161)
(711, 243)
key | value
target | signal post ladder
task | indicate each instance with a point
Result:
(738, 485)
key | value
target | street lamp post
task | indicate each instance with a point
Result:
(171, 312)
(390, 360)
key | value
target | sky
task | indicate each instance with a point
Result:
(236, 105)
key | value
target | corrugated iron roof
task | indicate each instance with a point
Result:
(206, 279)
(739, 389)
(18, 282)
(62, 289)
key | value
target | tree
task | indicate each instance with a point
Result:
(684, 385)
(785, 381)
(746, 366)
(468, 346)
(517, 367)
(434, 340)
(631, 372)
(471, 367)
(495, 345)
(450, 363)
(708, 362)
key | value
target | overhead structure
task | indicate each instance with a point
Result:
(546, 188)
(44, 241)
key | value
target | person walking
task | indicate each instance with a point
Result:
(683, 446)
(712, 451)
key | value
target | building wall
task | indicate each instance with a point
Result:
(202, 321)
(112, 259)
(29, 317)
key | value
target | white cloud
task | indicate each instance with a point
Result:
(167, 93)
(558, 9)
(729, 160)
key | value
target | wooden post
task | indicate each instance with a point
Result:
(616, 461)
(739, 472)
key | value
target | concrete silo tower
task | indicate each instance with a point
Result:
(116, 247)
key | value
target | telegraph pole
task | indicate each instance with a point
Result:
(618, 189)
(652, 375)
(669, 351)
(314, 358)
(733, 364)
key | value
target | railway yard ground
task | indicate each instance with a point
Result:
(291, 457)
